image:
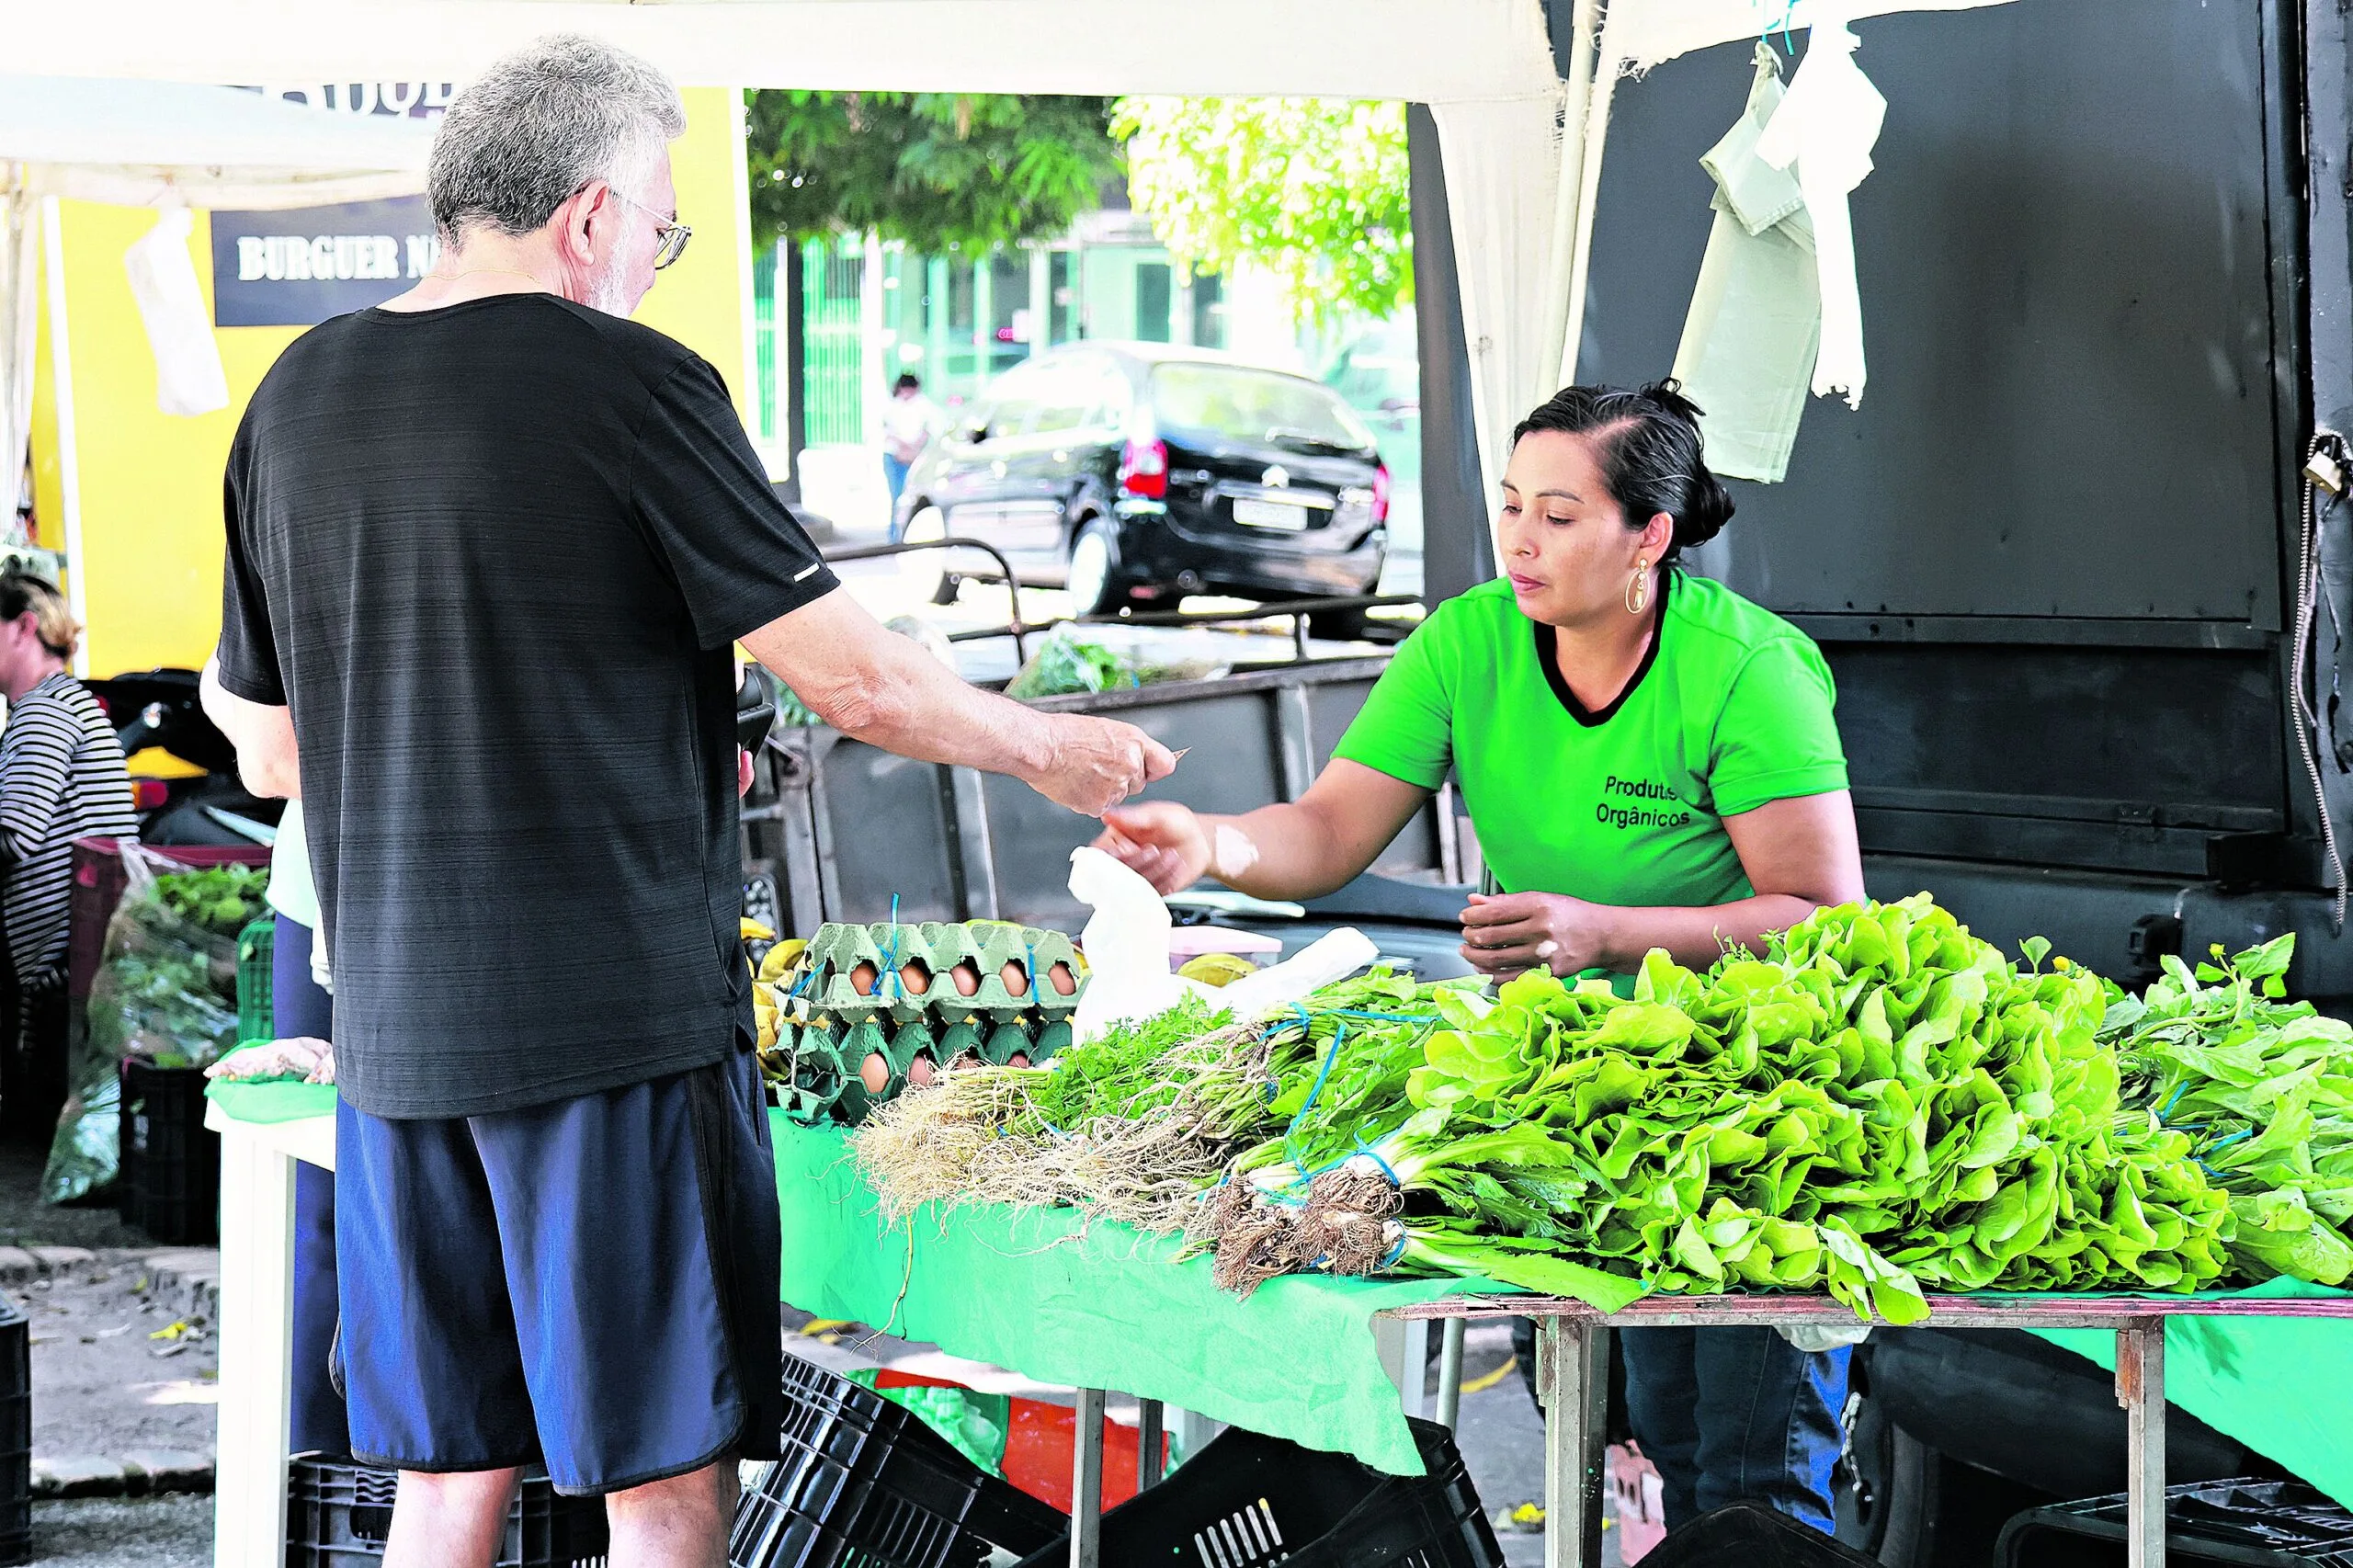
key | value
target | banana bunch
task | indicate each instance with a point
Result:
(776, 971)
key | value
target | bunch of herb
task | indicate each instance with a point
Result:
(1881, 1102)
(1129, 1126)
(2259, 1091)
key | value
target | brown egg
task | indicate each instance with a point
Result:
(1019, 1059)
(1062, 979)
(1016, 982)
(967, 976)
(919, 1071)
(914, 977)
(874, 1073)
(863, 977)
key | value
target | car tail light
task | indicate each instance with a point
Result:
(147, 794)
(1381, 494)
(1144, 469)
(99, 698)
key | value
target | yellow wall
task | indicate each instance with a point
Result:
(151, 482)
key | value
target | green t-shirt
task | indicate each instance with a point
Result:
(1730, 709)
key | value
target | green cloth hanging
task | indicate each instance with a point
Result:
(1755, 326)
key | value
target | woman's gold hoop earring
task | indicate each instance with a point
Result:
(1638, 589)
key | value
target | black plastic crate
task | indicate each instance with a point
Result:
(864, 1483)
(1751, 1535)
(15, 1435)
(2251, 1523)
(338, 1513)
(1247, 1500)
(170, 1182)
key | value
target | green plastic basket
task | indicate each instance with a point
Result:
(257, 945)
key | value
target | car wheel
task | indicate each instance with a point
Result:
(923, 569)
(1097, 586)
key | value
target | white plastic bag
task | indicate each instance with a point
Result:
(1827, 126)
(1126, 942)
(188, 376)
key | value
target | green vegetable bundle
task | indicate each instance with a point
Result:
(2262, 1092)
(1882, 1103)
(1066, 662)
(219, 899)
(1127, 1126)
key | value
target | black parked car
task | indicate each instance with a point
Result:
(1132, 472)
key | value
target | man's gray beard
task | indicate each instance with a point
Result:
(607, 292)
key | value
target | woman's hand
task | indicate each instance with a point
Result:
(1509, 934)
(1164, 843)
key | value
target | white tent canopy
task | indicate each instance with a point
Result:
(141, 144)
(164, 144)
(1422, 50)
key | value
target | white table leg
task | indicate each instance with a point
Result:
(256, 1351)
(1573, 1379)
(1086, 1482)
(1416, 1367)
(1449, 1373)
(2140, 1389)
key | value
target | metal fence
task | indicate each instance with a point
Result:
(834, 273)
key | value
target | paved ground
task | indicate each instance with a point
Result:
(124, 1532)
(116, 1369)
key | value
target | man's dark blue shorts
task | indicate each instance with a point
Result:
(591, 1283)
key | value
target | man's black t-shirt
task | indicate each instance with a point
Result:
(493, 557)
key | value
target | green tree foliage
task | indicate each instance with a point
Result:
(935, 170)
(1313, 189)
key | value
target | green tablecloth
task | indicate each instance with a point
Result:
(1108, 1309)
(1102, 1307)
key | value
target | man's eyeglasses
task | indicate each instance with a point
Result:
(671, 235)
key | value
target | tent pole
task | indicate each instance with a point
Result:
(1591, 100)
(69, 461)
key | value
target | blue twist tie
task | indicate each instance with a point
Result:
(1369, 1152)
(1331, 1059)
(1389, 1261)
(2166, 1109)
(891, 960)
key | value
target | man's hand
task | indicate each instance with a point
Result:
(1164, 843)
(1094, 763)
(1511, 933)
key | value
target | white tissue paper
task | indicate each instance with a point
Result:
(1826, 127)
(1126, 942)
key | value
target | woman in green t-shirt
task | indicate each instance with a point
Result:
(1652, 762)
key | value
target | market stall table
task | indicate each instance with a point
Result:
(1104, 1307)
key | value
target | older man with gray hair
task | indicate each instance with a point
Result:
(490, 546)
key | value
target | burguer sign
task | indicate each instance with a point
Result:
(298, 268)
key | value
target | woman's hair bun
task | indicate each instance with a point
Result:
(1648, 444)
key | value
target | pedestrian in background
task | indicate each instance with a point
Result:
(909, 424)
(61, 777)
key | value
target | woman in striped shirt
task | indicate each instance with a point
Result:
(61, 777)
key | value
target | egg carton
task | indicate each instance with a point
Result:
(825, 1067)
(908, 972)
(806, 1071)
